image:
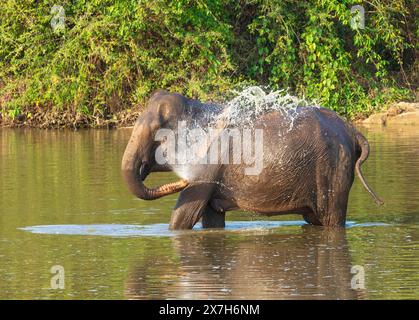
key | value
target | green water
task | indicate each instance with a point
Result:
(72, 179)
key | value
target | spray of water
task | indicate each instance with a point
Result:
(253, 101)
(241, 111)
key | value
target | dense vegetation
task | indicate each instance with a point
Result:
(111, 54)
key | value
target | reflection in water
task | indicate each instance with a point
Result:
(50, 178)
(314, 263)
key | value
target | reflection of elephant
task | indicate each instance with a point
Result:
(313, 264)
(307, 170)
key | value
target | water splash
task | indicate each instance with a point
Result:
(253, 101)
(247, 105)
(240, 112)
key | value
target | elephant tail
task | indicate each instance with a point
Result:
(365, 151)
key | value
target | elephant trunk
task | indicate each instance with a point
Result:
(134, 172)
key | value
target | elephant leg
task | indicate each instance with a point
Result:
(212, 219)
(311, 219)
(332, 214)
(222, 205)
(190, 206)
(333, 191)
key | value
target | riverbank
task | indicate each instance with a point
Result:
(104, 58)
(66, 120)
(401, 113)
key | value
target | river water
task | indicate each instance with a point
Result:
(63, 203)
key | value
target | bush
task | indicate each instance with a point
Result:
(312, 48)
(112, 54)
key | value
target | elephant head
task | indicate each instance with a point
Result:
(162, 111)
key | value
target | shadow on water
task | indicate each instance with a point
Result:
(310, 263)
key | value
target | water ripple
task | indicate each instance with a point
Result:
(162, 229)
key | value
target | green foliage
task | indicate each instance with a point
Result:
(112, 54)
(311, 48)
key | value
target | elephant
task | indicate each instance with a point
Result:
(307, 169)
